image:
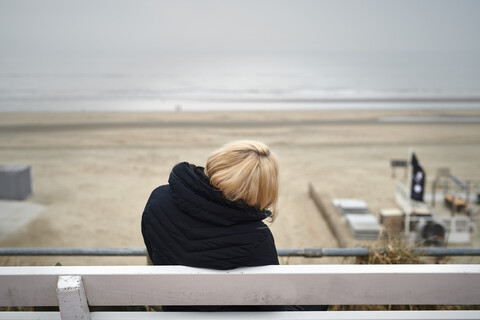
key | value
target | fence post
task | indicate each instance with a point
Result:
(72, 299)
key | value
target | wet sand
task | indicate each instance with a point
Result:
(94, 171)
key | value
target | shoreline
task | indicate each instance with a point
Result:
(350, 113)
(405, 120)
(227, 105)
(52, 121)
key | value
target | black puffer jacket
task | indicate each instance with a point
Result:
(190, 223)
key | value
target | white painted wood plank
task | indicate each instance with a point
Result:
(30, 315)
(72, 299)
(292, 289)
(28, 290)
(312, 284)
(328, 315)
(283, 269)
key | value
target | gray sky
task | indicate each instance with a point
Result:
(130, 27)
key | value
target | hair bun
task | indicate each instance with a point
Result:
(263, 151)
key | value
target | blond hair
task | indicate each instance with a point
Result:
(245, 171)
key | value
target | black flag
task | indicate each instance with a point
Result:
(418, 180)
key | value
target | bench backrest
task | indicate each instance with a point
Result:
(268, 285)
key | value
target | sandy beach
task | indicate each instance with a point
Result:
(93, 172)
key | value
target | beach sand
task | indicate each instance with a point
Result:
(93, 172)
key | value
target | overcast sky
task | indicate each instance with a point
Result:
(129, 27)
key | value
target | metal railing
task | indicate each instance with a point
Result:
(306, 253)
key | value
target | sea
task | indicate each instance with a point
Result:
(240, 81)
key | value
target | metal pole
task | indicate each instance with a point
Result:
(467, 192)
(434, 191)
(72, 252)
(447, 251)
(307, 252)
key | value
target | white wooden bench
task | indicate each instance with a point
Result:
(73, 289)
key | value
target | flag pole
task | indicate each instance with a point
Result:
(409, 188)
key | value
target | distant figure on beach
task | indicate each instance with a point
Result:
(212, 217)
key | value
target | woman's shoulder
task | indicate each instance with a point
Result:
(160, 190)
(159, 194)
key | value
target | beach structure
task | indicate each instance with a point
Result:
(398, 163)
(422, 223)
(392, 220)
(362, 225)
(15, 182)
(458, 229)
(351, 206)
(455, 193)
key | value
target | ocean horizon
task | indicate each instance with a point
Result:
(241, 82)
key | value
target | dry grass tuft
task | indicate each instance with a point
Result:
(393, 251)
